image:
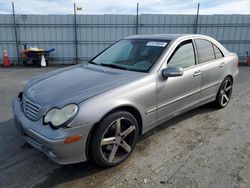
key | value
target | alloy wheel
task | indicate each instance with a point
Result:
(118, 140)
(225, 93)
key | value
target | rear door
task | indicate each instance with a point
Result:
(178, 93)
(212, 63)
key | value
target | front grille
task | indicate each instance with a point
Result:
(30, 108)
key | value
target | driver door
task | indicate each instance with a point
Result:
(179, 93)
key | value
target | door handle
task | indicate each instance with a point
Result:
(197, 73)
(222, 64)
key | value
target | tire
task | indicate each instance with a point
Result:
(25, 63)
(36, 62)
(224, 93)
(109, 146)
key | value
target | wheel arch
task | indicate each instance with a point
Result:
(230, 76)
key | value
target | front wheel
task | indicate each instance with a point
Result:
(114, 139)
(224, 93)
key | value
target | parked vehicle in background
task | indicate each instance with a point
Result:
(98, 110)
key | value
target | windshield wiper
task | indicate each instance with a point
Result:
(109, 65)
(114, 66)
(92, 62)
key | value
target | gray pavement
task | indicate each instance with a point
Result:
(202, 148)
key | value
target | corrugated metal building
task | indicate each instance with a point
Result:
(96, 32)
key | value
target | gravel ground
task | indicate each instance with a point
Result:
(202, 148)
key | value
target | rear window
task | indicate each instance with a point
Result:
(205, 50)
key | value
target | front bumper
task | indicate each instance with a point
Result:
(50, 141)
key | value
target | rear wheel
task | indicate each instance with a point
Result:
(114, 139)
(224, 93)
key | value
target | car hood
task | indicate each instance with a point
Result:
(76, 84)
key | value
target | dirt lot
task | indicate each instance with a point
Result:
(202, 148)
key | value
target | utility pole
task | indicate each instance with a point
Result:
(197, 18)
(137, 18)
(15, 31)
(75, 29)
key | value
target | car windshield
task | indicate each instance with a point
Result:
(135, 55)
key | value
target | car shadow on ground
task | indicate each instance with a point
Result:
(67, 173)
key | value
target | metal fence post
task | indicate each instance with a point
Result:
(15, 31)
(137, 18)
(75, 29)
(197, 17)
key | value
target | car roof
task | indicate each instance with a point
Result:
(163, 36)
(172, 37)
(157, 36)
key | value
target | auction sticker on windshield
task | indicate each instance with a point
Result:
(156, 43)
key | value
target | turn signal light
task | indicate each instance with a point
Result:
(72, 139)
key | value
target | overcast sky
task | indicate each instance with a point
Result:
(126, 6)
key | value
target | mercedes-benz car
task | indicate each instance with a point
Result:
(97, 110)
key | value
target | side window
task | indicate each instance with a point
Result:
(205, 50)
(217, 52)
(183, 56)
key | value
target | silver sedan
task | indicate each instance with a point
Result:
(98, 110)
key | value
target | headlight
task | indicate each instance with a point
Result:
(57, 117)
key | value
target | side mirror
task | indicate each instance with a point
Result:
(172, 72)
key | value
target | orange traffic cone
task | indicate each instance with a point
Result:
(6, 60)
(248, 61)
